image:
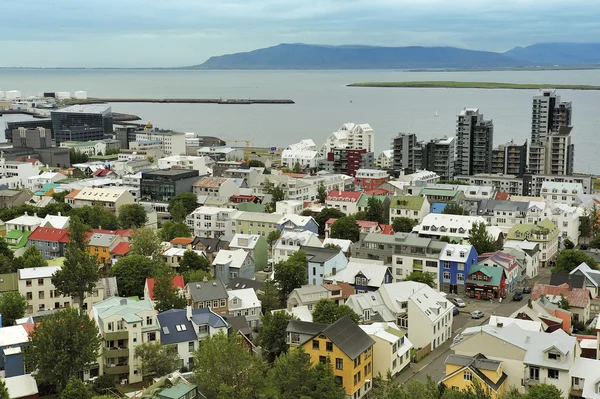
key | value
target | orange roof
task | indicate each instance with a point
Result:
(502, 196)
(577, 297)
(72, 194)
(122, 248)
(177, 283)
(335, 195)
(28, 327)
(386, 229)
(345, 288)
(182, 240)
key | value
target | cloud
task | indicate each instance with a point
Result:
(183, 32)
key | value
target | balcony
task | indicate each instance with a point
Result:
(116, 369)
(116, 335)
(115, 352)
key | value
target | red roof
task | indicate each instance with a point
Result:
(49, 234)
(387, 229)
(182, 240)
(121, 249)
(177, 283)
(28, 327)
(502, 196)
(295, 175)
(363, 224)
(335, 195)
(73, 194)
(101, 172)
(30, 160)
(577, 297)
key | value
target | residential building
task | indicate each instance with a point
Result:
(186, 328)
(506, 183)
(163, 185)
(566, 218)
(510, 159)
(303, 153)
(124, 323)
(370, 179)
(14, 174)
(544, 233)
(548, 315)
(591, 278)
(445, 194)
(363, 275)
(528, 256)
(291, 222)
(244, 302)
(414, 208)
(364, 227)
(13, 340)
(24, 223)
(177, 282)
(486, 282)
(10, 198)
(229, 264)
(201, 164)
(211, 222)
(391, 352)
(562, 193)
(385, 160)
(309, 295)
(456, 227)
(323, 262)
(455, 263)
(584, 378)
(549, 114)
(256, 223)
(208, 294)
(403, 147)
(91, 148)
(579, 298)
(350, 135)
(347, 161)
(437, 155)
(82, 122)
(505, 261)
(291, 241)
(344, 343)
(371, 308)
(172, 143)
(474, 143)
(215, 187)
(462, 370)
(289, 207)
(533, 183)
(111, 198)
(255, 245)
(51, 242)
(345, 246)
(22, 387)
(301, 189)
(174, 255)
(17, 241)
(345, 201)
(101, 246)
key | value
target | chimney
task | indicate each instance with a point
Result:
(26, 214)
(188, 313)
(529, 304)
(35, 214)
(59, 214)
(123, 301)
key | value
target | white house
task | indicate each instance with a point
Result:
(289, 207)
(215, 187)
(566, 218)
(201, 164)
(412, 207)
(245, 303)
(528, 254)
(15, 173)
(391, 352)
(172, 143)
(458, 227)
(364, 274)
(24, 223)
(345, 201)
(561, 192)
(211, 222)
(290, 242)
(35, 183)
(350, 135)
(304, 153)
(384, 159)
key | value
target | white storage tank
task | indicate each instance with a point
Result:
(63, 95)
(13, 94)
(81, 95)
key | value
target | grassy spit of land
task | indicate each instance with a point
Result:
(474, 85)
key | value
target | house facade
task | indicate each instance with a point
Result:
(486, 282)
(414, 208)
(455, 262)
(244, 302)
(230, 264)
(391, 352)
(323, 262)
(544, 233)
(50, 241)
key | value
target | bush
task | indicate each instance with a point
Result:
(104, 382)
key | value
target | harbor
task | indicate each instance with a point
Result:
(231, 101)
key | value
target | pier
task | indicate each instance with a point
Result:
(230, 101)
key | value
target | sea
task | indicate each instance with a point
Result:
(323, 102)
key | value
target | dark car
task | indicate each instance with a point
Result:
(518, 296)
(527, 290)
(455, 311)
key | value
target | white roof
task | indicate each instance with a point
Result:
(592, 275)
(298, 220)
(524, 324)
(247, 296)
(449, 221)
(559, 186)
(21, 386)
(50, 175)
(374, 271)
(259, 217)
(455, 251)
(299, 237)
(245, 241)
(387, 153)
(394, 294)
(55, 221)
(37, 272)
(13, 335)
(232, 258)
(344, 244)
(212, 210)
(588, 370)
(379, 330)
(179, 252)
(109, 194)
(26, 220)
(524, 245)
(431, 303)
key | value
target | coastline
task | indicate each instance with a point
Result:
(472, 85)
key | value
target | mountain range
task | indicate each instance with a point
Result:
(310, 56)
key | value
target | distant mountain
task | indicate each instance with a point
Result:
(557, 53)
(307, 56)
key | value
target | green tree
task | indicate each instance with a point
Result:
(293, 377)
(345, 228)
(189, 201)
(131, 273)
(326, 214)
(453, 209)
(192, 276)
(178, 212)
(157, 359)
(225, 368)
(272, 237)
(76, 389)
(77, 157)
(419, 277)
(306, 212)
(54, 209)
(272, 335)
(255, 163)
(569, 259)
(277, 194)
(585, 228)
(445, 239)
(32, 257)
(61, 346)
(80, 271)
(563, 303)
(59, 196)
(5, 250)
(543, 391)
(3, 390)
(270, 297)
(172, 230)
(102, 218)
(291, 274)
(375, 211)
(104, 383)
(146, 242)
(328, 312)
(481, 239)
(594, 242)
(321, 193)
(12, 307)
(360, 215)
(192, 261)
(297, 167)
(166, 296)
(132, 216)
(568, 244)
(403, 224)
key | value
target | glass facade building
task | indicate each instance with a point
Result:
(163, 185)
(82, 123)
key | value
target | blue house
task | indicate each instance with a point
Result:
(291, 222)
(12, 341)
(50, 241)
(230, 264)
(364, 275)
(455, 262)
(323, 262)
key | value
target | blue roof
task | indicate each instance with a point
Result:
(169, 320)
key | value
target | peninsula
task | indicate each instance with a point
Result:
(474, 85)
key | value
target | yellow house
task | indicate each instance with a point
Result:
(461, 371)
(100, 245)
(344, 344)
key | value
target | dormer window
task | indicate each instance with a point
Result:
(554, 356)
(448, 253)
(462, 254)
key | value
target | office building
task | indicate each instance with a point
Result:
(474, 142)
(163, 185)
(82, 123)
(32, 124)
(36, 143)
(437, 155)
(510, 158)
(403, 147)
(171, 143)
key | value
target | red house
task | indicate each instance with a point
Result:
(486, 282)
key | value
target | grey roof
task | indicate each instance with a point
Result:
(349, 337)
(575, 280)
(408, 239)
(305, 327)
(207, 290)
(476, 364)
(101, 240)
(169, 333)
(238, 323)
(489, 205)
(207, 316)
(211, 244)
(85, 108)
(319, 255)
(170, 172)
(239, 283)
(9, 193)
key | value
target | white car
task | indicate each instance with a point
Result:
(459, 302)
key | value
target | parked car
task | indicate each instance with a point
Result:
(268, 269)
(527, 290)
(455, 311)
(459, 302)
(476, 314)
(517, 296)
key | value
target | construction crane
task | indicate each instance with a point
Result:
(247, 149)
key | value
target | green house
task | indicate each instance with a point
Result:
(17, 241)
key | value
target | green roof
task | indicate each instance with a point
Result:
(176, 391)
(397, 333)
(439, 192)
(519, 231)
(20, 236)
(364, 199)
(407, 202)
(56, 261)
(494, 272)
(251, 207)
(8, 282)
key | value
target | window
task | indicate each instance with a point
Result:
(294, 338)
(191, 346)
(446, 276)
(553, 373)
(329, 346)
(215, 303)
(460, 277)
(151, 337)
(223, 303)
(40, 281)
(553, 356)
(339, 363)
(27, 283)
(29, 296)
(460, 266)
(367, 353)
(395, 347)
(534, 373)
(467, 376)
(234, 301)
(315, 344)
(203, 329)
(322, 359)
(357, 362)
(148, 320)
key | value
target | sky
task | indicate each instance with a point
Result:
(166, 33)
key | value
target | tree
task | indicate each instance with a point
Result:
(594, 242)
(103, 383)
(270, 298)
(5, 250)
(272, 237)
(291, 274)
(568, 244)
(569, 259)
(166, 296)
(145, 242)
(192, 261)
(481, 239)
(543, 391)
(32, 257)
(277, 194)
(306, 212)
(419, 277)
(272, 335)
(297, 167)
(131, 273)
(157, 359)
(360, 215)
(445, 239)
(328, 312)
(255, 163)
(54, 209)
(77, 157)
(61, 346)
(375, 211)
(76, 389)
(585, 227)
(192, 276)
(326, 214)
(403, 224)
(102, 218)
(59, 196)
(563, 303)
(453, 209)
(80, 271)
(345, 228)
(178, 212)
(321, 193)
(293, 377)
(189, 201)
(225, 368)
(12, 307)
(172, 230)
(132, 216)
(3, 390)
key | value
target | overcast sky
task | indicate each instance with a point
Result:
(132, 33)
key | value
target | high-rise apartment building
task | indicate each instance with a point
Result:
(474, 142)
(510, 158)
(356, 136)
(437, 155)
(403, 147)
(548, 115)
